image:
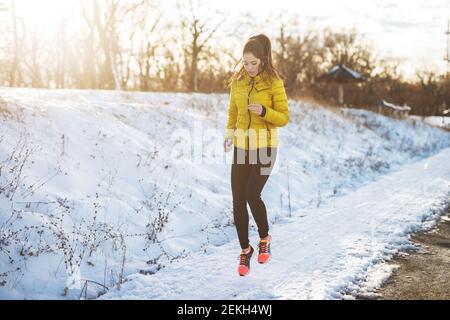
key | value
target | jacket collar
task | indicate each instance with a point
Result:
(258, 79)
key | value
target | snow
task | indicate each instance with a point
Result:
(326, 252)
(443, 122)
(137, 184)
(440, 122)
(395, 107)
(353, 73)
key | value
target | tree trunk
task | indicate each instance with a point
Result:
(15, 75)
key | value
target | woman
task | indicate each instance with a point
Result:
(258, 106)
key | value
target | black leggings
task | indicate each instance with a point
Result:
(249, 173)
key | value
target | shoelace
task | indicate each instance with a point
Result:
(244, 259)
(263, 246)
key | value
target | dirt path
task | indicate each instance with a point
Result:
(425, 274)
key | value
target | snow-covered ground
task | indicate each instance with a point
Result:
(319, 253)
(442, 122)
(106, 189)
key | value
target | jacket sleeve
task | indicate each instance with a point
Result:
(279, 114)
(232, 115)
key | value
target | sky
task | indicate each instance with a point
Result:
(411, 31)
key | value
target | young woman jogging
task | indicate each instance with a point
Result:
(258, 107)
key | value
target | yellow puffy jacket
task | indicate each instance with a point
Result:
(249, 130)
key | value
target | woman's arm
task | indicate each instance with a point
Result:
(279, 115)
(232, 115)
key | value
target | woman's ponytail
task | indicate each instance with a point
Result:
(261, 47)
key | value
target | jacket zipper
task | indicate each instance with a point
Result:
(268, 133)
(249, 114)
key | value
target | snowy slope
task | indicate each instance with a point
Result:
(325, 254)
(98, 186)
(442, 122)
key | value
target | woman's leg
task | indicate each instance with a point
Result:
(239, 178)
(259, 174)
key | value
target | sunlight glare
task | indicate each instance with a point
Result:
(43, 12)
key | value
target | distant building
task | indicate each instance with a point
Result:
(342, 74)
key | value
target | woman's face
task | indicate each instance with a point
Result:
(251, 64)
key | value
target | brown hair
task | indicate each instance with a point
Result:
(261, 48)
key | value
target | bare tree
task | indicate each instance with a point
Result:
(18, 42)
(145, 38)
(89, 45)
(432, 92)
(4, 31)
(33, 57)
(169, 68)
(297, 56)
(387, 83)
(61, 53)
(106, 21)
(200, 25)
(101, 19)
(347, 47)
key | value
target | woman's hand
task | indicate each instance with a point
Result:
(227, 144)
(256, 108)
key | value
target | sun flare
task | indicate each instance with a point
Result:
(43, 12)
